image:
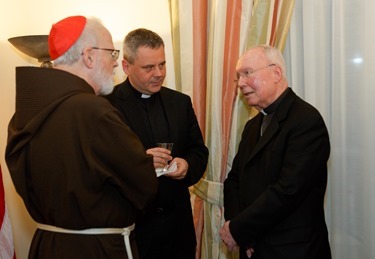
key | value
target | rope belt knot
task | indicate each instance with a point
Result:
(95, 231)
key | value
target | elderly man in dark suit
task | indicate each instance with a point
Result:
(159, 114)
(274, 193)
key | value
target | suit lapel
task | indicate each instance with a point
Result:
(273, 127)
(171, 111)
(250, 138)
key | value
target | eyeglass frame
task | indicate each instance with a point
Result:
(249, 72)
(115, 53)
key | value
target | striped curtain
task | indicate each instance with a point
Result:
(208, 37)
(6, 238)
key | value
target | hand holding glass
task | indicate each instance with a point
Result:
(168, 146)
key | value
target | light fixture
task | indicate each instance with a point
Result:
(35, 46)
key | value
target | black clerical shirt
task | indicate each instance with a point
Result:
(152, 113)
(269, 111)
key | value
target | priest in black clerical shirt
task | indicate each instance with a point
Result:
(159, 114)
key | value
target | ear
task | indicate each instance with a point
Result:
(125, 66)
(88, 57)
(277, 72)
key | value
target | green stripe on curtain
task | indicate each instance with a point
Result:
(259, 26)
(286, 13)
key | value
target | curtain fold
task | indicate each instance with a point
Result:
(331, 59)
(176, 39)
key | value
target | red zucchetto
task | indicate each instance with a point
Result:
(64, 34)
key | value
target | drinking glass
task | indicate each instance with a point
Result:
(166, 145)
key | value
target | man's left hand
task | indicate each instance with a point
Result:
(227, 237)
(182, 169)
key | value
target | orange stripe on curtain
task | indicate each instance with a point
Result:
(200, 61)
(231, 54)
(274, 23)
(199, 96)
(285, 16)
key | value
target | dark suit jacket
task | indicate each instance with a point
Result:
(274, 193)
(188, 144)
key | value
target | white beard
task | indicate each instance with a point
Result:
(107, 87)
(105, 82)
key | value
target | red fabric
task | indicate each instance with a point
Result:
(6, 238)
(64, 34)
(2, 199)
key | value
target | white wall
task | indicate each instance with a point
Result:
(24, 17)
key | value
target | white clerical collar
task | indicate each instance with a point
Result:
(145, 96)
(262, 111)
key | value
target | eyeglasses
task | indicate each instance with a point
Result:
(250, 72)
(114, 52)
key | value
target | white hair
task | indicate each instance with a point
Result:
(274, 56)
